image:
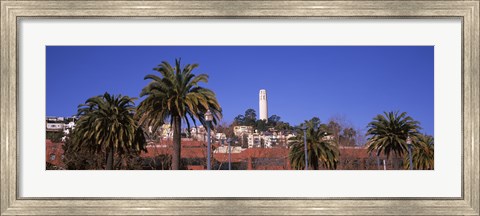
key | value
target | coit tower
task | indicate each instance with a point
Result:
(262, 102)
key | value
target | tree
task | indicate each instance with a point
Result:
(348, 137)
(273, 120)
(422, 153)
(106, 125)
(239, 120)
(250, 114)
(320, 152)
(176, 96)
(283, 126)
(81, 158)
(360, 139)
(226, 129)
(314, 122)
(250, 117)
(335, 129)
(388, 133)
(54, 136)
(261, 125)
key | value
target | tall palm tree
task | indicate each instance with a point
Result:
(319, 150)
(388, 133)
(106, 125)
(176, 96)
(422, 153)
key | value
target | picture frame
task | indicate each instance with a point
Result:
(12, 11)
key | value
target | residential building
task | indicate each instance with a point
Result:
(220, 136)
(242, 129)
(166, 131)
(269, 139)
(55, 127)
(254, 140)
(60, 124)
(200, 133)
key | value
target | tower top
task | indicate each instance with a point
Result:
(262, 94)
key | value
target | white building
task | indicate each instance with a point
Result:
(240, 130)
(60, 124)
(263, 104)
(166, 131)
(254, 140)
(268, 139)
(328, 138)
(200, 133)
(224, 149)
(289, 136)
(55, 126)
(220, 136)
(55, 119)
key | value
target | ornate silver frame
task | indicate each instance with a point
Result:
(11, 11)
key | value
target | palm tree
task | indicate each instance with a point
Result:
(176, 96)
(422, 153)
(388, 133)
(106, 125)
(319, 150)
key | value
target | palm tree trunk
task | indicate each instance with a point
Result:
(110, 159)
(176, 143)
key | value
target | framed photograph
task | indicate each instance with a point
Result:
(239, 107)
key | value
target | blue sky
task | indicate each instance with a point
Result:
(354, 82)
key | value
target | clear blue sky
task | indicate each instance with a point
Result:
(356, 82)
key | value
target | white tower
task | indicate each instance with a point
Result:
(262, 101)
